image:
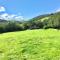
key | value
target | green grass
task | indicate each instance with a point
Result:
(45, 18)
(30, 45)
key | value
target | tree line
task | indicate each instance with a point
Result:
(36, 23)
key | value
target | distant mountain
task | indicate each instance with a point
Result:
(1, 20)
(40, 22)
(45, 16)
(47, 20)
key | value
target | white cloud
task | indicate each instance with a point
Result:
(2, 9)
(3, 16)
(19, 17)
(7, 16)
(57, 10)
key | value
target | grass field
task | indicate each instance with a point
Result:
(30, 45)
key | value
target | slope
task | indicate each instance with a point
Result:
(30, 45)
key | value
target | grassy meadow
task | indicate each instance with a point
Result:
(30, 45)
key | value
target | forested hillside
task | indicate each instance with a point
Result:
(47, 21)
(40, 22)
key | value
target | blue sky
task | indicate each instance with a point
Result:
(30, 8)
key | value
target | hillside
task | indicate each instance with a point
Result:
(40, 17)
(45, 21)
(30, 45)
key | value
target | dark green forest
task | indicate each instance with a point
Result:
(40, 22)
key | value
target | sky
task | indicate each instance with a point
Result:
(27, 8)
